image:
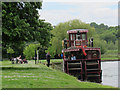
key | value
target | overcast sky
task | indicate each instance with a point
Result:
(57, 11)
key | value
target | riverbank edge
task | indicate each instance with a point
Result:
(101, 61)
(110, 60)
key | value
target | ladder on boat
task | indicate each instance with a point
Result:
(93, 70)
(75, 68)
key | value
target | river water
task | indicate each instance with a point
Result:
(110, 73)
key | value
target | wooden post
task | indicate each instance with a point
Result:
(37, 56)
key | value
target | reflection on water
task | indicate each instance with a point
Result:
(110, 73)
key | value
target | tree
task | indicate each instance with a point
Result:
(102, 44)
(116, 44)
(112, 46)
(10, 51)
(106, 33)
(108, 36)
(21, 23)
(29, 50)
(93, 24)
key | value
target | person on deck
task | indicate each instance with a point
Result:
(48, 59)
(73, 57)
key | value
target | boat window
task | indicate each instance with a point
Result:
(71, 36)
(78, 37)
(84, 36)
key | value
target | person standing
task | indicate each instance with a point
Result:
(48, 59)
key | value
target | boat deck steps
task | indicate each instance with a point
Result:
(92, 69)
(74, 68)
(74, 63)
(93, 75)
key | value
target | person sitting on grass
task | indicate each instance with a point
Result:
(12, 60)
(19, 59)
(25, 61)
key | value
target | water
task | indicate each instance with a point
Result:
(110, 73)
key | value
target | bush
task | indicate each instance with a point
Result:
(102, 44)
(111, 46)
(29, 50)
(10, 50)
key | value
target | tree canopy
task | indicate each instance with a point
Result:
(29, 50)
(21, 23)
(105, 32)
(108, 34)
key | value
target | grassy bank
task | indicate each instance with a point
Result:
(61, 60)
(52, 61)
(109, 58)
(39, 76)
(113, 54)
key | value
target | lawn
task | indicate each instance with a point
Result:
(52, 61)
(39, 76)
(110, 54)
(115, 58)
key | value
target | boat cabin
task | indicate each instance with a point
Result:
(77, 37)
(77, 46)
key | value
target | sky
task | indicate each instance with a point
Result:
(60, 11)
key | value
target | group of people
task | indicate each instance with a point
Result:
(70, 57)
(19, 60)
(23, 60)
(48, 58)
(58, 56)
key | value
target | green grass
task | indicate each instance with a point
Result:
(39, 76)
(109, 58)
(111, 54)
(52, 61)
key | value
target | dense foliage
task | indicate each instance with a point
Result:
(107, 33)
(10, 50)
(21, 23)
(29, 51)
